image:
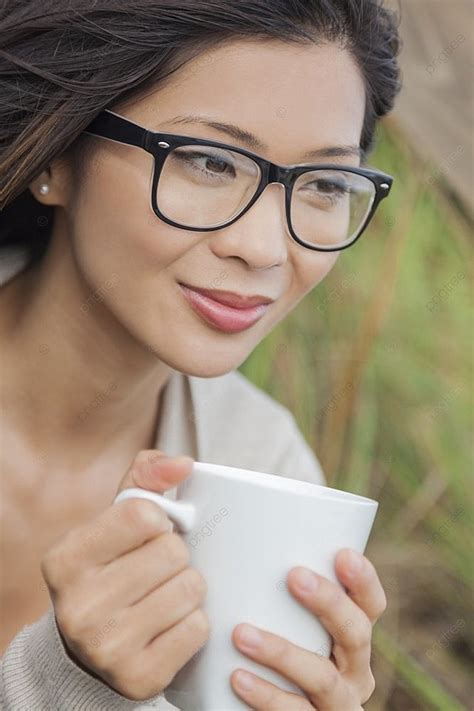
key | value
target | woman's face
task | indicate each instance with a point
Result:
(293, 99)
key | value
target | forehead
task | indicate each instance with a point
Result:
(294, 98)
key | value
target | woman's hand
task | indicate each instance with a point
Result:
(344, 681)
(127, 604)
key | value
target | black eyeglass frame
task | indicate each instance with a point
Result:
(117, 128)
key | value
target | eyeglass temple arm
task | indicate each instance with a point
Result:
(117, 128)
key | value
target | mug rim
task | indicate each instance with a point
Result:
(276, 482)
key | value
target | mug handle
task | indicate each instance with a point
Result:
(183, 514)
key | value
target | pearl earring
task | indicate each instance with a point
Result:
(44, 189)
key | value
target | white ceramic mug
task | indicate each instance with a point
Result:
(245, 531)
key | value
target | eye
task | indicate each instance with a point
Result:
(206, 163)
(330, 187)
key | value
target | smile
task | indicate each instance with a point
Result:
(222, 316)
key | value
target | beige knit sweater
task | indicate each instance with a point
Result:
(224, 420)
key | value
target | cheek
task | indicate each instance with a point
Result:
(307, 272)
(123, 251)
(311, 271)
(114, 226)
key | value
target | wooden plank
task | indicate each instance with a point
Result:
(436, 104)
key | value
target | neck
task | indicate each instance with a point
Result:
(76, 375)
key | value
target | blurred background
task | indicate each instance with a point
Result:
(376, 365)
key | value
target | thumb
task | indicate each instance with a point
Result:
(155, 471)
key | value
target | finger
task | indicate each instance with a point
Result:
(261, 694)
(153, 470)
(362, 583)
(130, 577)
(347, 624)
(129, 526)
(154, 666)
(170, 651)
(315, 675)
(165, 606)
(125, 527)
(119, 529)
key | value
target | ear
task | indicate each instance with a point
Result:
(53, 186)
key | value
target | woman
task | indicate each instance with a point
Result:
(139, 271)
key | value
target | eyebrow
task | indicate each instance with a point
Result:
(250, 140)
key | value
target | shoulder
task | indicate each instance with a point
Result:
(241, 425)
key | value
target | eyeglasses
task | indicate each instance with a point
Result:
(204, 185)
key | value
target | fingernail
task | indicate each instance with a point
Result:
(245, 681)
(249, 637)
(184, 459)
(164, 461)
(307, 582)
(354, 562)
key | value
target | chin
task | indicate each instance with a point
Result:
(205, 355)
(209, 370)
(203, 363)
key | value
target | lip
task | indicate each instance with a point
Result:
(227, 311)
(229, 298)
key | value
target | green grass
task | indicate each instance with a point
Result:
(386, 338)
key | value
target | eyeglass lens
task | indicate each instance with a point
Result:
(205, 186)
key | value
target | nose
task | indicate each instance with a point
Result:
(260, 237)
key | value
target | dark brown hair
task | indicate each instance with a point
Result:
(63, 62)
